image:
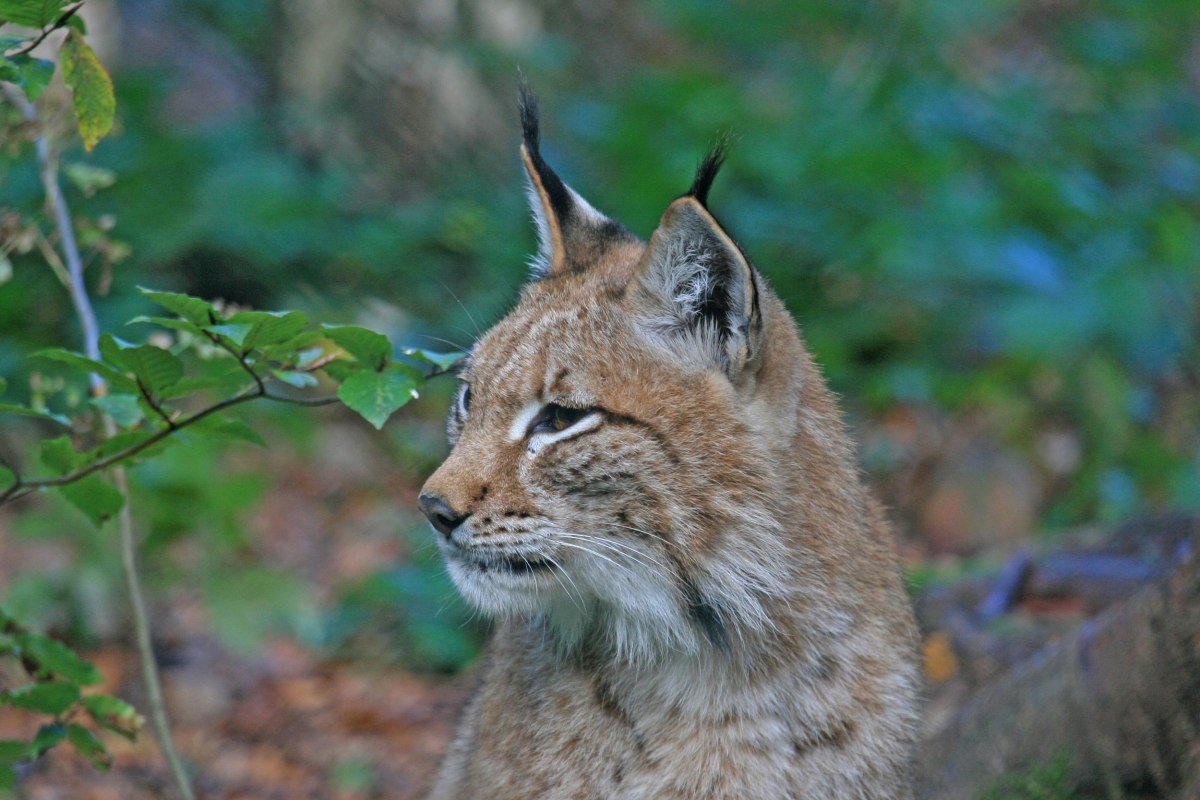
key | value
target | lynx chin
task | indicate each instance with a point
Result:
(652, 492)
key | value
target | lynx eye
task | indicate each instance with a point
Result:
(555, 418)
(464, 399)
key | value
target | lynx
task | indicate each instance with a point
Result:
(651, 491)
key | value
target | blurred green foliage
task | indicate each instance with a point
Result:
(987, 209)
(1049, 781)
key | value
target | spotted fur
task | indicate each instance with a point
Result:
(655, 497)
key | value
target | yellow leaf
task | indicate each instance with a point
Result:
(91, 89)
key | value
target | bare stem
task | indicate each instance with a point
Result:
(48, 165)
(141, 627)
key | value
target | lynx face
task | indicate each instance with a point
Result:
(609, 436)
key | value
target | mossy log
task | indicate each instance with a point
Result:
(1120, 701)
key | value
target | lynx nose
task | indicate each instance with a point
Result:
(440, 514)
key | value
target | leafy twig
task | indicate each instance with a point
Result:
(62, 20)
(154, 404)
(22, 487)
(48, 165)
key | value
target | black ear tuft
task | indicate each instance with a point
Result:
(529, 116)
(557, 194)
(707, 170)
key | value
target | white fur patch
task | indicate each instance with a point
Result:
(539, 262)
(586, 209)
(520, 423)
(540, 440)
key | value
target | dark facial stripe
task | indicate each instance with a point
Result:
(658, 436)
(705, 615)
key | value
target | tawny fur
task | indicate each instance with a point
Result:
(721, 613)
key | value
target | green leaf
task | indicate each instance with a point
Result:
(31, 74)
(340, 369)
(48, 736)
(31, 13)
(58, 659)
(91, 89)
(59, 454)
(12, 751)
(116, 380)
(155, 368)
(51, 697)
(114, 714)
(369, 347)
(277, 327)
(226, 428)
(440, 360)
(227, 377)
(235, 332)
(375, 395)
(95, 497)
(6, 477)
(167, 322)
(293, 349)
(3, 385)
(25, 411)
(8, 777)
(301, 380)
(123, 408)
(88, 746)
(193, 309)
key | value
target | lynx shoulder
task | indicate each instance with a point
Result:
(651, 490)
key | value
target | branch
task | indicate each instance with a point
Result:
(67, 13)
(241, 358)
(154, 404)
(22, 487)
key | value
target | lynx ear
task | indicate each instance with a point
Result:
(696, 287)
(570, 232)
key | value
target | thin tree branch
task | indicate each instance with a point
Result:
(250, 393)
(67, 13)
(241, 359)
(141, 626)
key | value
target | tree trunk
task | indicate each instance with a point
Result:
(1120, 700)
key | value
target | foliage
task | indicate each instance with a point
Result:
(238, 355)
(1050, 781)
(145, 397)
(91, 87)
(59, 678)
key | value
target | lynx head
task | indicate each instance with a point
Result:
(617, 437)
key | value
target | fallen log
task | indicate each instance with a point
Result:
(1118, 702)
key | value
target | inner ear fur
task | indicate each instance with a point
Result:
(698, 289)
(546, 213)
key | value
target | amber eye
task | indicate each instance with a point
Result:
(555, 418)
